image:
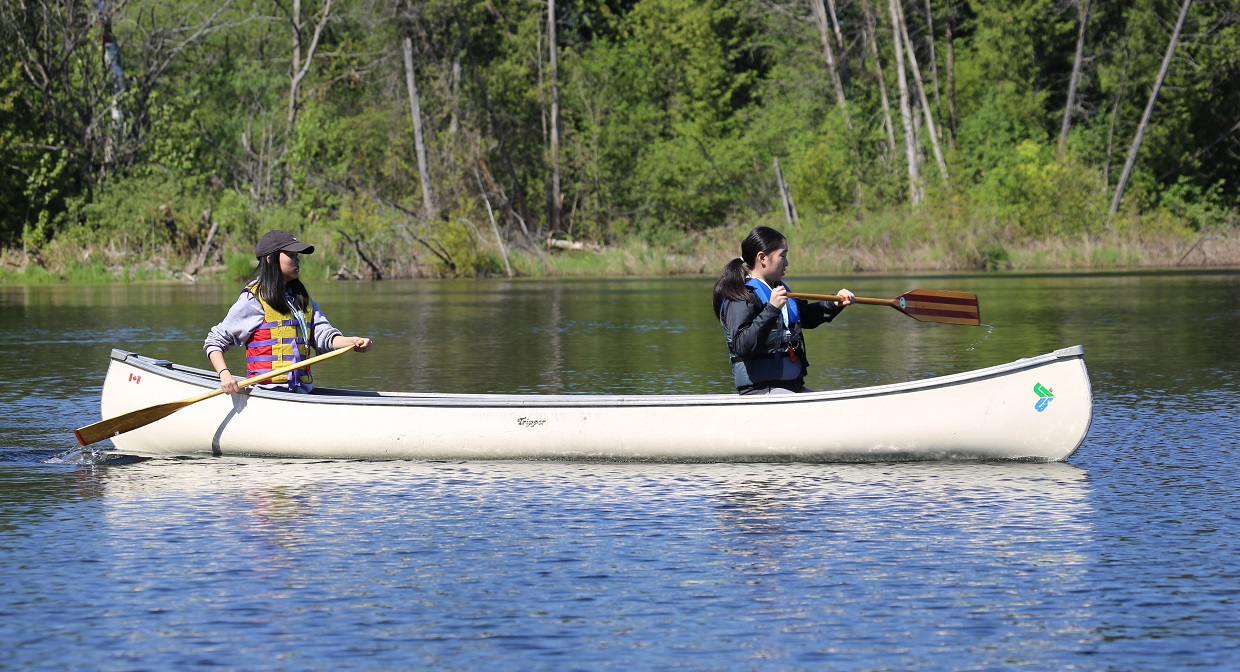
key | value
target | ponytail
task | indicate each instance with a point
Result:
(731, 282)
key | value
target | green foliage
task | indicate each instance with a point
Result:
(1200, 209)
(822, 177)
(692, 50)
(148, 213)
(286, 217)
(661, 113)
(994, 256)
(671, 113)
(1045, 195)
(993, 132)
(176, 139)
(240, 267)
(16, 134)
(45, 188)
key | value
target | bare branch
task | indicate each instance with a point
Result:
(299, 75)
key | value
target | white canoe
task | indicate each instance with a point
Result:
(1031, 409)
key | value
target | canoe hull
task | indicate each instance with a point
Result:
(1034, 409)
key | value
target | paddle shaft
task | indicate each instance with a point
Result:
(144, 416)
(835, 297)
(285, 369)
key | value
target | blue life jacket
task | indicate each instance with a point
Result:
(777, 363)
(792, 314)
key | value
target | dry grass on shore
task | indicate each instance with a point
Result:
(813, 252)
(706, 254)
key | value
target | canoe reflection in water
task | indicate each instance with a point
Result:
(769, 519)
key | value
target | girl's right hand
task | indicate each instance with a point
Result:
(779, 297)
(228, 383)
(849, 298)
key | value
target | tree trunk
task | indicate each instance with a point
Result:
(300, 69)
(906, 115)
(556, 197)
(785, 194)
(454, 123)
(518, 204)
(845, 77)
(1149, 110)
(295, 21)
(419, 145)
(872, 28)
(934, 73)
(1076, 76)
(499, 240)
(1119, 95)
(921, 94)
(200, 259)
(824, 32)
(115, 73)
(828, 51)
(951, 75)
(111, 49)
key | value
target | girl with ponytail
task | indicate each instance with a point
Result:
(761, 324)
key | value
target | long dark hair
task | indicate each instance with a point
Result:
(272, 288)
(731, 282)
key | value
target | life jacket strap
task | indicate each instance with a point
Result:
(274, 341)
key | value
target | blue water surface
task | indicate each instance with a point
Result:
(1123, 558)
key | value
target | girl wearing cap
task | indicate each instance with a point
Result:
(761, 324)
(276, 320)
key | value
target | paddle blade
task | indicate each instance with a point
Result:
(134, 419)
(106, 429)
(932, 305)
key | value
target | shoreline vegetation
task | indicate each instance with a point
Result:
(536, 138)
(822, 251)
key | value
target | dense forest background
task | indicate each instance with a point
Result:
(456, 137)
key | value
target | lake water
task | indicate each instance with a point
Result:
(1123, 558)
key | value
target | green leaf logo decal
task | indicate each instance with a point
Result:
(1045, 397)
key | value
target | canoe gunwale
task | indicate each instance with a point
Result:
(205, 380)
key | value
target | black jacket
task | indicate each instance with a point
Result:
(758, 344)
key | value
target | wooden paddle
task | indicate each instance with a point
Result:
(927, 305)
(105, 429)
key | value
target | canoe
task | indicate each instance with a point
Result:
(1035, 409)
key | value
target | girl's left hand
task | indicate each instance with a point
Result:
(848, 298)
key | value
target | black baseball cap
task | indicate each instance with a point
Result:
(275, 241)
